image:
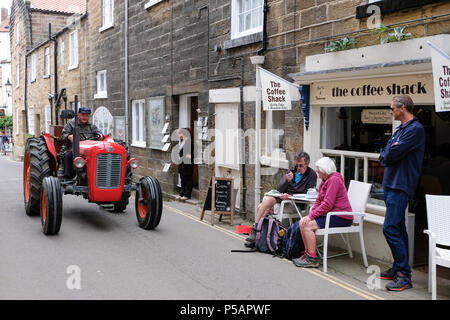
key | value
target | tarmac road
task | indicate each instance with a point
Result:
(181, 259)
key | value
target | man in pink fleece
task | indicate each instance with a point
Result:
(332, 197)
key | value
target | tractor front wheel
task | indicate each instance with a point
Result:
(51, 205)
(149, 210)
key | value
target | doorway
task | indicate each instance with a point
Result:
(188, 117)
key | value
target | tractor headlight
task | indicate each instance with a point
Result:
(79, 162)
(133, 163)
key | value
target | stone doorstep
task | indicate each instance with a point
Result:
(344, 266)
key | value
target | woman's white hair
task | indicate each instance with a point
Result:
(326, 165)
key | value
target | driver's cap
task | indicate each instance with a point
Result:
(84, 110)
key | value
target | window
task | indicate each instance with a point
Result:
(62, 53)
(48, 117)
(107, 14)
(138, 128)
(17, 34)
(17, 75)
(47, 63)
(101, 85)
(31, 127)
(33, 68)
(247, 17)
(103, 119)
(227, 140)
(73, 50)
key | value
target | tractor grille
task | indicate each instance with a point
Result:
(109, 170)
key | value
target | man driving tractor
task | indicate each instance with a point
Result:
(87, 132)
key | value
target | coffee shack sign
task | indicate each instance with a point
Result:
(375, 91)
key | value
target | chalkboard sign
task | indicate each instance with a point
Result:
(220, 198)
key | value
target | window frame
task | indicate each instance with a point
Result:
(138, 108)
(31, 120)
(101, 94)
(33, 68)
(47, 63)
(73, 50)
(107, 12)
(235, 33)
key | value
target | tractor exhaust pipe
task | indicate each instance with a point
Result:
(76, 133)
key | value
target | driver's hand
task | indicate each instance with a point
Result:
(70, 138)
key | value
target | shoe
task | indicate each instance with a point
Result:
(388, 274)
(177, 197)
(400, 282)
(183, 198)
(306, 261)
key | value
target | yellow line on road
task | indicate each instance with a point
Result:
(340, 283)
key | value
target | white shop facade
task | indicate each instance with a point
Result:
(350, 93)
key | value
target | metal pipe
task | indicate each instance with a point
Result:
(264, 37)
(126, 71)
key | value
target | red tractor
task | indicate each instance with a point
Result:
(103, 176)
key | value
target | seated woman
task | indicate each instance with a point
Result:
(297, 179)
(332, 197)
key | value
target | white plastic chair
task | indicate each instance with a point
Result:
(358, 194)
(438, 214)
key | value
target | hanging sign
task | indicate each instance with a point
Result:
(276, 94)
(441, 77)
(376, 116)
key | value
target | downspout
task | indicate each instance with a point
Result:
(26, 67)
(126, 71)
(264, 37)
(55, 63)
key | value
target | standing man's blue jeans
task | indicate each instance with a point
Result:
(4, 149)
(394, 229)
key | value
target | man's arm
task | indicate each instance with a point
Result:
(67, 131)
(283, 185)
(410, 140)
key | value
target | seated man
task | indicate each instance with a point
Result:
(87, 131)
(297, 179)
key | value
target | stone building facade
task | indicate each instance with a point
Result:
(145, 63)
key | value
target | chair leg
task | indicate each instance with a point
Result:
(363, 248)
(325, 253)
(429, 271)
(347, 242)
(433, 280)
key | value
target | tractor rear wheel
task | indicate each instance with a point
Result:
(51, 205)
(36, 167)
(149, 210)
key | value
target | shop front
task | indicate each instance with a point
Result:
(349, 120)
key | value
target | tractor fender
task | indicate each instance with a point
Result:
(52, 150)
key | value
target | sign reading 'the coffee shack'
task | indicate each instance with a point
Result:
(375, 91)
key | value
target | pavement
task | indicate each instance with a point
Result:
(101, 255)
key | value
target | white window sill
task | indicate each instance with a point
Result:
(33, 80)
(101, 95)
(274, 162)
(46, 76)
(138, 144)
(106, 27)
(151, 3)
(72, 67)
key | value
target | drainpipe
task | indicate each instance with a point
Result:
(55, 67)
(126, 71)
(264, 38)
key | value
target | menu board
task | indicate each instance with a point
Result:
(220, 198)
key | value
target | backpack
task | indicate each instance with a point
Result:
(267, 238)
(292, 242)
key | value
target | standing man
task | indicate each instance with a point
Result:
(402, 158)
(4, 142)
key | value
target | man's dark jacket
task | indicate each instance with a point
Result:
(89, 130)
(403, 161)
(308, 180)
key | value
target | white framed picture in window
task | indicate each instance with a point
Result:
(156, 121)
(103, 119)
(101, 85)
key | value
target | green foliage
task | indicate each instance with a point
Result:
(340, 45)
(385, 36)
(6, 122)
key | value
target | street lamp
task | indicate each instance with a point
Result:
(8, 86)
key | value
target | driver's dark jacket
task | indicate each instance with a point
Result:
(89, 130)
